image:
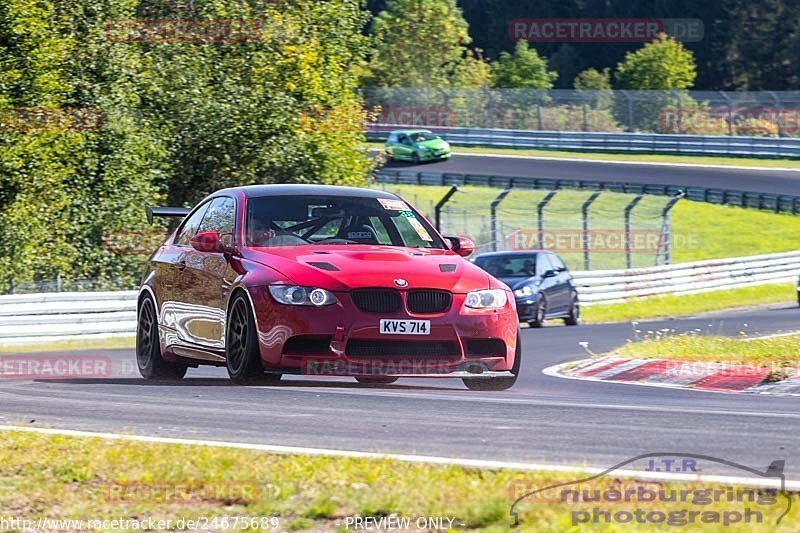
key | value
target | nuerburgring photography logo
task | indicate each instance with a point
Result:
(671, 488)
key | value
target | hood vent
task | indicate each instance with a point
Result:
(447, 267)
(323, 266)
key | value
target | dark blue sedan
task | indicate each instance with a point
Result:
(542, 284)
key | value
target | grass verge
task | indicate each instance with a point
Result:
(624, 156)
(699, 346)
(88, 478)
(673, 306)
(113, 343)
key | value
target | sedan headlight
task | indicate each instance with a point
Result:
(486, 299)
(295, 295)
(423, 149)
(524, 292)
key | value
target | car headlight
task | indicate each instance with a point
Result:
(524, 292)
(295, 295)
(423, 149)
(486, 299)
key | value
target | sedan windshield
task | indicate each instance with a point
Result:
(508, 266)
(302, 220)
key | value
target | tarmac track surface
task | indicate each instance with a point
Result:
(778, 181)
(542, 419)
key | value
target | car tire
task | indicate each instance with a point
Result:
(498, 384)
(384, 380)
(574, 316)
(148, 346)
(415, 158)
(541, 313)
(242, 357)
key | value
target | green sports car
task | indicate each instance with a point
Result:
(416, 146)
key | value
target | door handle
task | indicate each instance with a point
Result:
(181, 265)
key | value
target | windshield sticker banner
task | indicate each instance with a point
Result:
(393, 205)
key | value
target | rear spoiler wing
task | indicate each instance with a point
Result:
(165, 212)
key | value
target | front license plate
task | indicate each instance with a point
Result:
(405, 327)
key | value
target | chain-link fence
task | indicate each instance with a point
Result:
(591, 230)
(767, 113)
(63, 284)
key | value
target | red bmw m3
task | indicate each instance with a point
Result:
(269, 280)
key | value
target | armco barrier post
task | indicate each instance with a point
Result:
(585, 217)
(440, 204)
(493, 219)
(628, 209)
(540, 216)
(666, 230)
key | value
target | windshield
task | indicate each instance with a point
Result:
(301, 220)
(509, 266)
(422, 137)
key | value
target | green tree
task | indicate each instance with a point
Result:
(524, 69)
(593, 80)
(180, 119)
(423, 43)
(278, 108)
(662, 64)
(594, 86)
(472, 72)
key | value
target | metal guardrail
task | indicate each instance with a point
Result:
(652, 143)
(66, 315)
(779, 203)
(613, 286)
(77, 315)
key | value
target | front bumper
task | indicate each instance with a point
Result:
(434, 156)
(462, 342)
(527, 307)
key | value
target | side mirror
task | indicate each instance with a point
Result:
(463, 246)
(550, 273)
(206, 241)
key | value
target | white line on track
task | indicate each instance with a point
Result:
(772, 336)
(424, 459)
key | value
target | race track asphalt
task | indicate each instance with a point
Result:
(542, 419)
(779, 181)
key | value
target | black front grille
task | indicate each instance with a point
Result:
(427, 302)
(377, 300)
(369, 348)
